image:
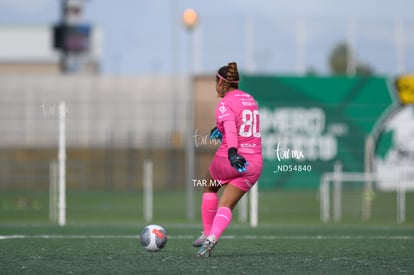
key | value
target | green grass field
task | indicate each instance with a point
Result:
(102, 237)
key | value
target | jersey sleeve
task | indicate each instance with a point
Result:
(223, 113)
(226, 123)
(231, 133)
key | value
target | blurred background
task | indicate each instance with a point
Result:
(138, 82)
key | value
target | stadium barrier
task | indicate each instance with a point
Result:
(338, 178)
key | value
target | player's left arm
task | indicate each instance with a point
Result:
(236, 160)
(226, 121)
(231, 133)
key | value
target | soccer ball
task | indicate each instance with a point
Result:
(153, 237)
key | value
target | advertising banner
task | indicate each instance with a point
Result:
(310, 123)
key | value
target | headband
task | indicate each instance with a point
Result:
(219, 76)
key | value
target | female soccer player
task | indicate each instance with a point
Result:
(238, 162)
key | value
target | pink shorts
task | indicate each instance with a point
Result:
(221, 170)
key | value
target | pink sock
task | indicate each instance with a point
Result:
(209, 204)
(221, 221)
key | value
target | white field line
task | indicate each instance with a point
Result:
(189, 237)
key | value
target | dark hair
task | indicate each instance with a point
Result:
(230, 74)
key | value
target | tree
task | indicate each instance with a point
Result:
(339, 58)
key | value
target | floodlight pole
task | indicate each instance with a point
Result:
(250, 45)
(399, 45)
(300, 46)
(351, 63)
(190, 21)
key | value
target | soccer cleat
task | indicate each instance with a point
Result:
(208, 245)
(199, 242)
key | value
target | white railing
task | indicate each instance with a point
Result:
(338, 178)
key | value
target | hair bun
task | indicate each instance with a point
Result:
(232, 75)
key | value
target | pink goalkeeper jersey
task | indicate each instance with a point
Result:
(237, 117)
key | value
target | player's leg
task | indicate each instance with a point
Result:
(231, 195)
(209, 203)
(229, 198)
